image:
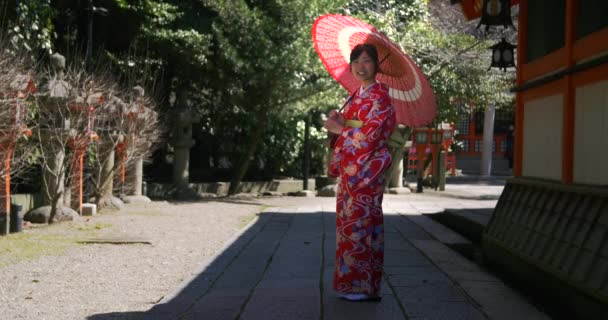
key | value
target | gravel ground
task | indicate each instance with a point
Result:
(88, 279)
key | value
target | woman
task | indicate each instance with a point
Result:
(360, 159)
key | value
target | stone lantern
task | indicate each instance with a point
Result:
(136, 171)
(397, 143)
(108, 118)
(421, 138)
(182, 142)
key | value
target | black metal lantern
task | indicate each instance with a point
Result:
(421, 136)
(496, 13)
(437, 137)
(448, 134)
(503, 55)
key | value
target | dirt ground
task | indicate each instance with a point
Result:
(47, 272)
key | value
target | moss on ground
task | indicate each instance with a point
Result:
(45, 240)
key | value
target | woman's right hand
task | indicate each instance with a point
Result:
(334, 122)
(333, 126)
(337, 116)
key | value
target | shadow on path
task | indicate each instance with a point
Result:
(281, 267)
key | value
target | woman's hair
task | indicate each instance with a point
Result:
(371, 51)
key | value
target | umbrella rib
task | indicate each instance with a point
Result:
(387, 55)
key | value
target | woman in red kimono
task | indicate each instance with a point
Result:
(360, 158)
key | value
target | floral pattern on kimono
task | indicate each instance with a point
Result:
(360, 159)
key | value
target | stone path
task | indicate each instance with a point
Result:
(280, 267)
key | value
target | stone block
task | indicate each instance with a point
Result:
(89, 209)
(302, 193)
(136, 199)
(399, 191)
(323, 181)
(272, 194)
(327, 191)
(42, 214)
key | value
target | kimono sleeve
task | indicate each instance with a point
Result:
(334, 165)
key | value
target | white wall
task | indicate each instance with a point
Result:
(591, 134)
(542, 149)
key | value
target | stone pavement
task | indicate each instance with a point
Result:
(281, 265)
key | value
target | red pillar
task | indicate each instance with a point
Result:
(77, 192)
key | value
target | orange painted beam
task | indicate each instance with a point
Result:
(591, 45)
(549, 89)
(552, 62)
(596, 74)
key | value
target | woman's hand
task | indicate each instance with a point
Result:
(334, 122)
(336, 114)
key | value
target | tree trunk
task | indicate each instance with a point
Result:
(54, 207)
(105, 178)
(252, 146)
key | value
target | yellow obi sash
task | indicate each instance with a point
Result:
(396, 140)
(354, 124)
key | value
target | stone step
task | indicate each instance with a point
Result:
(443, 234)
(468, 222)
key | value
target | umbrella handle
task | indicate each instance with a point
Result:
(348, 100)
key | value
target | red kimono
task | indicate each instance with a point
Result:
(360, 159)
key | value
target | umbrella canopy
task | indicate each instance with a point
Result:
(336, 35)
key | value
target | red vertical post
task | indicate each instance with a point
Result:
(76, 201)
(5, 186)
(569, 96)
(446, 145)
(7, 180)
(121, 154)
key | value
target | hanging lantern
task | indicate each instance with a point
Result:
(496, 13)
(503, 55)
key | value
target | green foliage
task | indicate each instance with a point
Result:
(461, 79)
(263, 65)
(250, 71)
(30, 26)
(388, 15)
(169, 39)
(288, 161)
(454, 62)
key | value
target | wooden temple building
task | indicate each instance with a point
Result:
(550, 226)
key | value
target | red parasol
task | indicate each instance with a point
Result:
(335, 35)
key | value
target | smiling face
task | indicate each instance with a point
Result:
(364, 65)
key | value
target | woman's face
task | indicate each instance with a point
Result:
(364, 68)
